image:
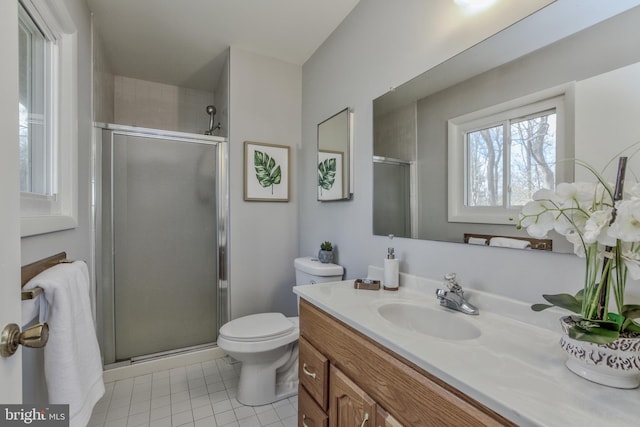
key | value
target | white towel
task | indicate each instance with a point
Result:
(72, 363)
(506, 242)
(477, 241)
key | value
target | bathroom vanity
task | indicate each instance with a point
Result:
(348, 378)
(380, 358)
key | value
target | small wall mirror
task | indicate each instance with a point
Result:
(334, 157)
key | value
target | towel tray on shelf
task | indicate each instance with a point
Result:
(539, 244)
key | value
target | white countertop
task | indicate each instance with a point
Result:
(515, 367)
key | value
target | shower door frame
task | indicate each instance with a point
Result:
(105, 321)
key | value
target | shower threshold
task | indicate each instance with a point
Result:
(160, 355)
(148, 357)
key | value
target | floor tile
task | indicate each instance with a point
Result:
(199, 395)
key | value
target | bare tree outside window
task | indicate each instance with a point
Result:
(485, 163)
(529, 154)
(533, 154)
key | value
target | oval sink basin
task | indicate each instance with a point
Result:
(436, 323)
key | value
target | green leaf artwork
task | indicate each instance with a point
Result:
(267, 173)
(327, 173)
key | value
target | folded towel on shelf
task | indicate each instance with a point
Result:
(72, 363)
(506, 242)
(477, 241)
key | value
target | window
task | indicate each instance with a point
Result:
(35, 107)
(499, 157)
(47, 116)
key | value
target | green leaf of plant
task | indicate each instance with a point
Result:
(631, 326)
(631, 311)
(596, 336)
(327, 173)
(540, 307)
(566, 301)
(266, 171)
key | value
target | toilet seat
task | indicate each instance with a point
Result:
(257, 327)
(258, 332)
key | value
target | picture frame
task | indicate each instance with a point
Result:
(330, 175)
(266, 172)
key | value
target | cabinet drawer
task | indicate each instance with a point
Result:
(309, 413)
(313, 372)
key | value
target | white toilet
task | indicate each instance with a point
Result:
(267, 343)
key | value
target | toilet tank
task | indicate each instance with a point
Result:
(310, 270)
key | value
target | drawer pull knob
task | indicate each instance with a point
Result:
(307, 372)
(304, 418)
(366, 418)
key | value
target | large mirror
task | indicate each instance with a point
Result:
(334, 157)
(586, 88)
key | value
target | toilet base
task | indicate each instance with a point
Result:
(261, 384)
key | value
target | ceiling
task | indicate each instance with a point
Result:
(183, 43)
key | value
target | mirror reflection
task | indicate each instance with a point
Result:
(334, 157)
(460, 148)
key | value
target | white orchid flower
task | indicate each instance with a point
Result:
(579, 192)
(597, 226)
(631, 260)
(626, 227)
(537, 217)
(578, 245)
(634, 192)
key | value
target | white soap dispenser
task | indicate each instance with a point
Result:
(391, 269)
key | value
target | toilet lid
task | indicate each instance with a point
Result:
(257, 327)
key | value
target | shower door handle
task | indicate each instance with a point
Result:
(222, 263)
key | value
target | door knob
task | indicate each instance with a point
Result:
(35, 336)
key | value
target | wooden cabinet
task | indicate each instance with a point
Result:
(370, 385)
(313, 370)
(384, 419)
(309, 413)
(349, 405)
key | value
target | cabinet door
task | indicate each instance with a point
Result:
(349, 405)
(384, 419)
(309, 413)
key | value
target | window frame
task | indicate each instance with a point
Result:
(57, 211)
(560, 98)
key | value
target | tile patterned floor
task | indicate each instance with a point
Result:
(199, 395)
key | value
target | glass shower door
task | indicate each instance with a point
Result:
(164, 244)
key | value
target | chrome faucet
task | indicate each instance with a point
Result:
(454, 297)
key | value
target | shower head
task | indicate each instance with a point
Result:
(211, 111)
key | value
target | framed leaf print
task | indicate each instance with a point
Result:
(330, 175)
(266, 172)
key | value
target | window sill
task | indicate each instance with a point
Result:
(34, 225)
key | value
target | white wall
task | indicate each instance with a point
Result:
(76, 242)
(607, 111)
(264, 107)
(381, 45)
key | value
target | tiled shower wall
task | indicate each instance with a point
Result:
(160, 106)
(395, 134)
(127, 101)
(103, 83)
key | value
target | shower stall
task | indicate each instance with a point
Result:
(393, 204)
(161, 209)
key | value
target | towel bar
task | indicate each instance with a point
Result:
(31, 270)
(31, 293)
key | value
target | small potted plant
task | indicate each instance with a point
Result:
(326, 252)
